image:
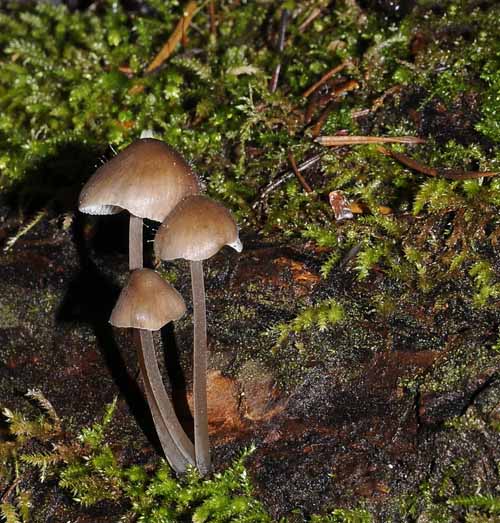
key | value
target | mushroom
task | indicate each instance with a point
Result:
(147, 303)
(196, 230)
(148, 178)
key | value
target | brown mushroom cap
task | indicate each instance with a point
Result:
(196, 230)
(147, 302)
(148, 179)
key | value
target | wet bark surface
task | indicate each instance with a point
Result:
(355, 414)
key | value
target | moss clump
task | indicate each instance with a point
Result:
(321, 316)
(433, 72)
(90, 470)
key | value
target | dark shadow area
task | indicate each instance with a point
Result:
(177, 379)
(90, 297)
(389, 10)
(106, 236)
(57, 180)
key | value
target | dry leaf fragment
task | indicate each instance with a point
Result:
(340, 206)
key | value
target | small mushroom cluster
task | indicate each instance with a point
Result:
(151, 180)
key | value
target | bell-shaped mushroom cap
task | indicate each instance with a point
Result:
(148, 179)
(196, 230)
(147, 302)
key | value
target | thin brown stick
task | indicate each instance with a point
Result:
(281, 45)
(212, 16)
(344, 88)
(177, 35)
(450, 174)
(326, 77)
(320, 122)
(336, 141)
(299, 176)
(283, 178)
(408, 162)
(310, 19)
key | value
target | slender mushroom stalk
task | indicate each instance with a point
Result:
(196, 230)
(177, 447)
(135, 242)
(202, 443)
(174, 457)
(148, 178)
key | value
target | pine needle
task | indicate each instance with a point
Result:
(24, 230)
(179, 31)
(337, 141)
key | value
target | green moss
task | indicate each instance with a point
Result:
(88, 468)
(8, 317)
(321, 316)
(215, 106)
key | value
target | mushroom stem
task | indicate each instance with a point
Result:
(169, 422)
(175, 458)
(176, 445)
(135, 259)
(201, 441)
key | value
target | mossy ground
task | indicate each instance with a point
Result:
(387, 320)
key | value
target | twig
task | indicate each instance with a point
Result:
(310, 19)
(320, 122)
(344, 88)
(336, 141)
(285, 15)
(326, 77)
(450, 174)
(299, 176)
(283, 178)
(10, 489)
(178, 34)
